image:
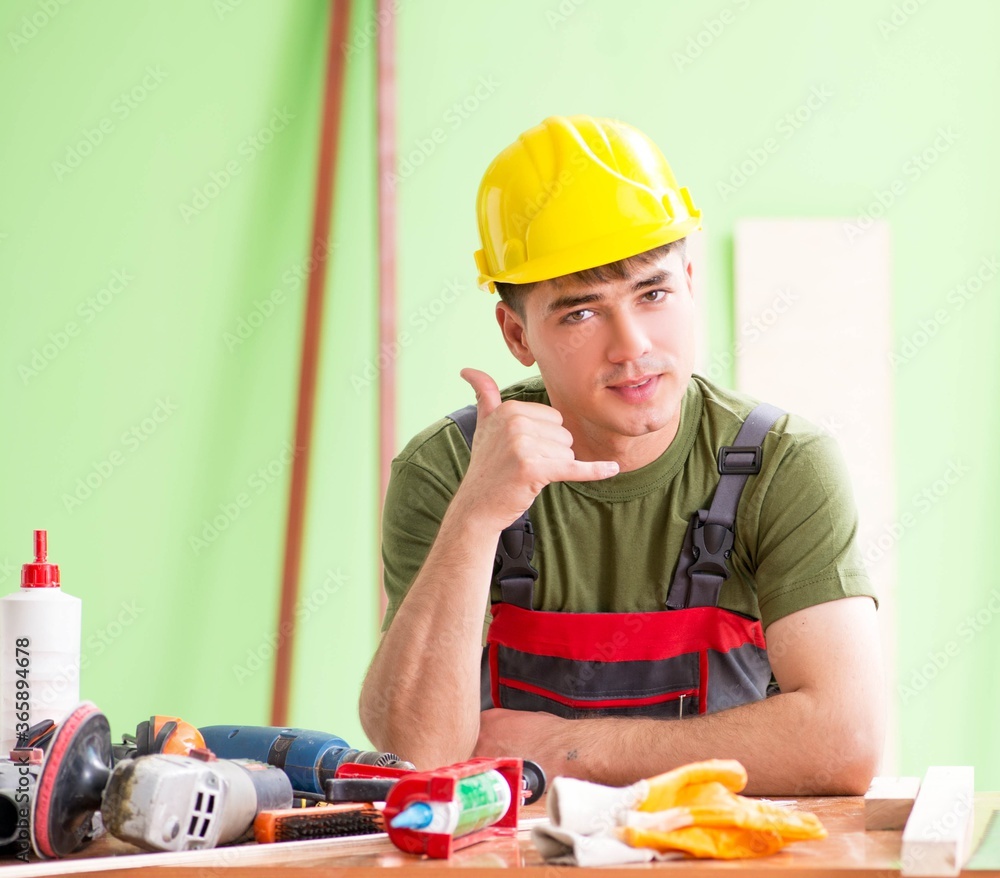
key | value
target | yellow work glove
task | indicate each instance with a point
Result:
(695, 809)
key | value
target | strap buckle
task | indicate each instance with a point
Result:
(733, 459)
(514, 550)
(712, 544)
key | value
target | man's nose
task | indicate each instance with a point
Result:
(629, 339)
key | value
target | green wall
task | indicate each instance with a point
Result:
(711, 82)
(174, 145)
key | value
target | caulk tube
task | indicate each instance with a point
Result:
(480, 800)
(39, 649)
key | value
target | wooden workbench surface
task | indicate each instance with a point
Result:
(849, 850)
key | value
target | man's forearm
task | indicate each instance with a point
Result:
(420, 698)
(789, 744)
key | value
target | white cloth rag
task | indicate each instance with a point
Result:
(583, 817)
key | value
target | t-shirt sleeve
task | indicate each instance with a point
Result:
(415, 502)
(807, 550)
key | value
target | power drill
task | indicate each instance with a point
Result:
(308, 758)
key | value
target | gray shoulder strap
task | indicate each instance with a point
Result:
(737, 462)
(466, 420)
(708, 543)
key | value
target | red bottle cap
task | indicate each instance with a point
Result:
(40, 574)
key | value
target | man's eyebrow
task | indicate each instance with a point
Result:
(662, 277)
(572, 301)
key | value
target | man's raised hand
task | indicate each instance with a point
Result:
(518, 449)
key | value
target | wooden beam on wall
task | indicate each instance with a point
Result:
(309, 363)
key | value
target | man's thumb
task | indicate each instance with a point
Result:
(487, 392)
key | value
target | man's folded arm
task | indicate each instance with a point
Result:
(824, 732)
(822, 735)
(420, 697)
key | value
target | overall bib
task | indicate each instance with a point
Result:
(693, 657)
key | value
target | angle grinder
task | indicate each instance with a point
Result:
(157, 801)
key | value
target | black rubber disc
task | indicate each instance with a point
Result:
(70, 783)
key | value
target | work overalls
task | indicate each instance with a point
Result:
(693, 657)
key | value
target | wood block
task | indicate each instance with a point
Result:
(938, 834)
(889, 801)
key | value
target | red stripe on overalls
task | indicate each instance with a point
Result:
(589, 637)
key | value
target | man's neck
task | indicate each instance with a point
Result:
(630, 452)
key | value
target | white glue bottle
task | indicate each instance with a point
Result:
(39, 650)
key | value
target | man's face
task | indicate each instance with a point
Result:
(616, 357)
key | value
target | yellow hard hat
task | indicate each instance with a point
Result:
(572, 193)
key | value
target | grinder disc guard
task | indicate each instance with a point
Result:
(66, 810)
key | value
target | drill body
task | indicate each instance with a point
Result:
(309, 758)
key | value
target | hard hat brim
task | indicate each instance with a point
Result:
(592, 254)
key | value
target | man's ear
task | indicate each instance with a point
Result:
(512, 327)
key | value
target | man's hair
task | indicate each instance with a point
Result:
(514, 294)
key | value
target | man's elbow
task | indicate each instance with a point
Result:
(372, 713)
(851, 759)
(855, 777)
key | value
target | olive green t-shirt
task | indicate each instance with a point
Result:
(613, 545)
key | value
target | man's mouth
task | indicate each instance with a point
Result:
(636, 389)
(634, 382)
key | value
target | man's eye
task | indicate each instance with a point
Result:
(577, 316)
(654, 295)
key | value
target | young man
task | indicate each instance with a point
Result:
(644, 609)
